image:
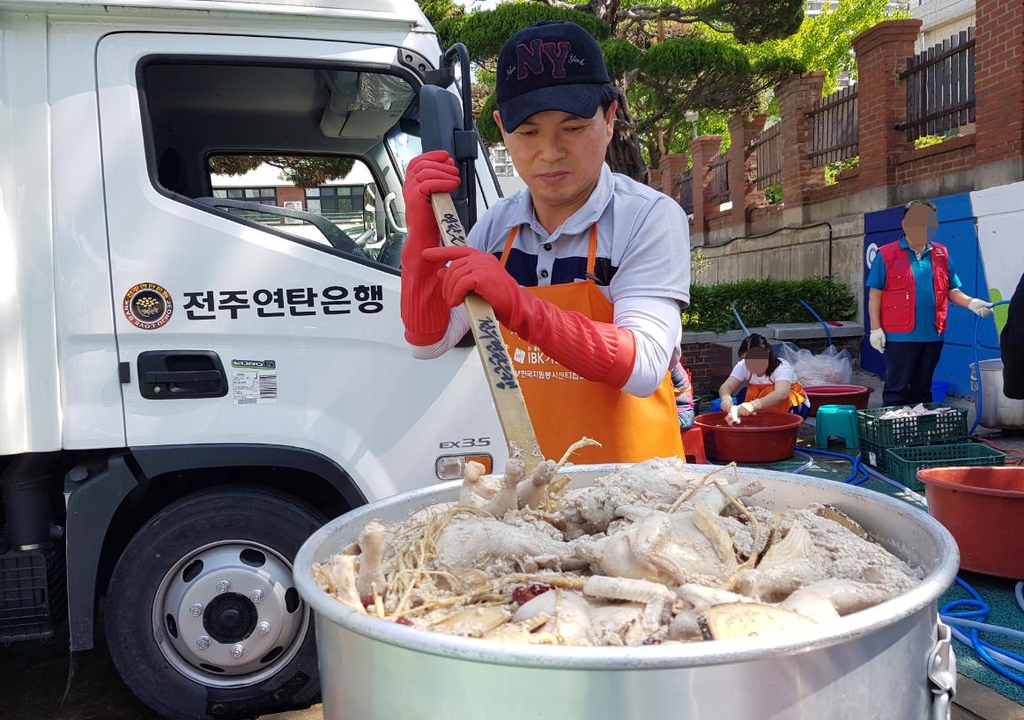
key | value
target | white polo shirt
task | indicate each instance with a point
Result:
(643, 241)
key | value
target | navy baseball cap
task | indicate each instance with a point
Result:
(549, 66)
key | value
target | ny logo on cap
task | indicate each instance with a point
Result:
(531, 57)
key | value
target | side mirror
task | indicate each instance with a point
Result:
(444, 125)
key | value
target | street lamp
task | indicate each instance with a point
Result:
(692, 117)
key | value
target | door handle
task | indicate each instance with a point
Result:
(181, 374)
(183, 377)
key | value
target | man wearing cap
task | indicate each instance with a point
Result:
(586, 269)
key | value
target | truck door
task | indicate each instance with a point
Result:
(235, 329)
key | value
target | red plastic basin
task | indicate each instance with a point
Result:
(983, 508)
(856, 395)
(762, 438)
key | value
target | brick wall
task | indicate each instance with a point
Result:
(999, 79)
(889, 163)
(954, 155)
(709, 364)
(290, 194)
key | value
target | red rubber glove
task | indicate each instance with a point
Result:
(601, 352)
(424, 311)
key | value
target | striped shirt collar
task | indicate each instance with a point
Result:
(579, 222)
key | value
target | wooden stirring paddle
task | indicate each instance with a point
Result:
(501, 374)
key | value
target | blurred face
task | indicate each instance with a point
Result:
(756, 360)
(920, 225)
(559, 157)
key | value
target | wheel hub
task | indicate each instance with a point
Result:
(229, 613)
(230, 618)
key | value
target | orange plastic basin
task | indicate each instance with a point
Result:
(762, 438)
(856, 395)
(983, 508)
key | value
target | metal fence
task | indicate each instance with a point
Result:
(834, 127)
(719, 190)
(940, 87)
(685, 192)
(767, 149)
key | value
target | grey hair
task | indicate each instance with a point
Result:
(927, 203)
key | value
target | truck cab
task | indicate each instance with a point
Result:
(194, 378)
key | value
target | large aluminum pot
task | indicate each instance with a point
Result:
(892, 661)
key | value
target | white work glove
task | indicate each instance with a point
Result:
(726, 404)
(980, 307)
(877, 339)
(733, 416)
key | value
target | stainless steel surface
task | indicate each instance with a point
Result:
(942, 673)
(873, 664)
(997, 411)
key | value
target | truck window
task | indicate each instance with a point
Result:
(283, 192)
(297, 151)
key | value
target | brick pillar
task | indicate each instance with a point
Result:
(882, 53)
(796, 94)
(673, 166)
(654, 179)
(703, 149)
(999, 79)
(743, 168)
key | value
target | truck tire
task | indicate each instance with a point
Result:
(202, 616)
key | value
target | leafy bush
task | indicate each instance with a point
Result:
(833, 169)
(773, 193)
(760, 302)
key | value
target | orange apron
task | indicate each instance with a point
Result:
(796, 397)
(565, 407)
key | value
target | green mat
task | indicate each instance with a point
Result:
(998, 593)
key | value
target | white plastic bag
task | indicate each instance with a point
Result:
(831, 367)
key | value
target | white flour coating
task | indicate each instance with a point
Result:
(651, 553)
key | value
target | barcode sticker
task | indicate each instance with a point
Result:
(254, 382)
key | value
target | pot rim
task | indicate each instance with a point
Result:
(648, 657)
(793, 422)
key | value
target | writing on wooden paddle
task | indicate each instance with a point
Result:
(501, 374)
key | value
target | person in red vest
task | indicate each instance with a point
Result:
(911, 285)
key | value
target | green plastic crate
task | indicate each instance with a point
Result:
(874, 455)
(904, 462)
(948, 427)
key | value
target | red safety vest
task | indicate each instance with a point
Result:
(899, 293)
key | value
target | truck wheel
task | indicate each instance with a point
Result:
(202, 616)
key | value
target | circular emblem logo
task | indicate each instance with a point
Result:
(148, 306)
(869, 255)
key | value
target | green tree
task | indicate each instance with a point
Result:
(823, 42)
(303, 172)
(671, 70)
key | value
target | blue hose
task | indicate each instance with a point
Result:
(857, 474)
(977, 365)
(976, 609)
(818, 318)
(738, 318)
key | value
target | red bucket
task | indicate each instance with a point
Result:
(856, 395)
(762, 438)
(982, 507)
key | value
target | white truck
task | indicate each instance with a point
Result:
(186, 391)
